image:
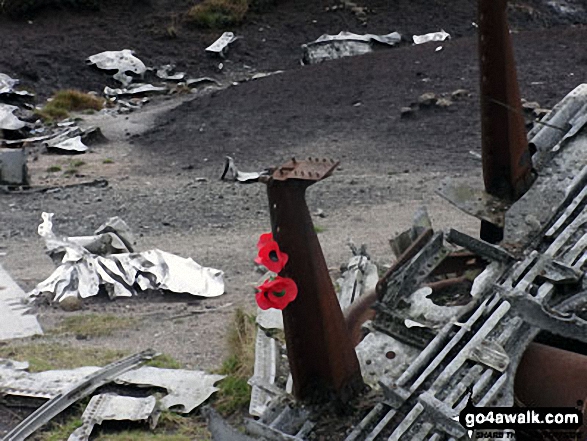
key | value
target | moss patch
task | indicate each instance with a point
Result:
(66, 101)
(218, 13)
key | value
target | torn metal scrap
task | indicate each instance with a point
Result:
(7, 86)
(112, 407)
(165, 73)
(220, 46)
(81, 273)
(186, 389)
(135, 89)
(8, 120)
(433, 36)
(88, 385)
(122, 61)
(345, 44)
(15, 321)
(231, 173)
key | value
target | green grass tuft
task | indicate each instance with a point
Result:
(235, 393)
(65, 101)
(318, 229)
(165, 361)
(218, 13)
(53, 169)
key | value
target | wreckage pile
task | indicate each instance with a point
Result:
(455, 314)
(21, 127)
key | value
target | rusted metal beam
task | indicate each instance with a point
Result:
(321, 355)
(507, 162)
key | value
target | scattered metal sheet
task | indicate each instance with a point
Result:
(81, 273)
(270, 318)
(15, 321)
(186, 389)
(8, 120)
(433, 36)
(135, 89)
(13, 167)
(15, 382)
(220, 46)
(7, 86)
(122, 61)
(71, 145)
(112, 407)
(194, 82)
(231, 173)
(165, 73)
(265, 371)
(345, 44)
(59, 403)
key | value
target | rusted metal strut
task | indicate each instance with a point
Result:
(321, 356)
(507, 162)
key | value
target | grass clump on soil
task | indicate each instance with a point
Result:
(53, 169)
(44, 356)
(58, 431)
(65, 101)
(218, 13)
(94, 325)
(235, 393)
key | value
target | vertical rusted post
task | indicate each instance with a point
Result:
(321, 356)
(507, 163)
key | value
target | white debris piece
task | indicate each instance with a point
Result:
(345, 44)
(186, 389)
(15, 322)
(14, 381)
(433, 36)
(135, 89)
(164, 72)
(7, 86)
(123, 61)
(8, 120)
(220, 46)
(81, 273)
(112, 407)
(71, 145)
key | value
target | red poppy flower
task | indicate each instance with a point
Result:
(276, 293)
(270, 255)
(264, 239)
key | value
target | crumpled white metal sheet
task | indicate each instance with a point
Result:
(81, 273)
(112, 407)
(123, 61)
(186, 389)
(7, 86)
(8, 120)
(433, 36)
(15, 322)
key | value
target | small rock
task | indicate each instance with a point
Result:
(70, 304)
(427, 99)
(320, 213)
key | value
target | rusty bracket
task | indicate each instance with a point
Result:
(312, 169)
